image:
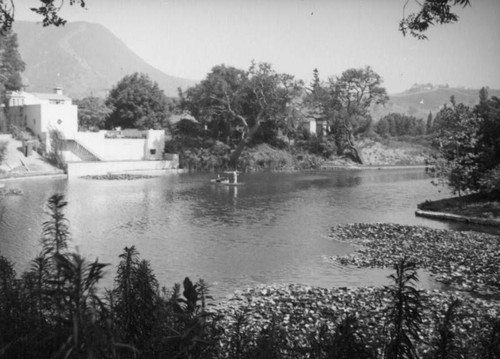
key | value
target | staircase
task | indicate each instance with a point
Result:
(81, 152)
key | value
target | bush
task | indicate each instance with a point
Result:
(308, 162)
(213, 157)
(57, 143)
(265, 157)
(490, 182)
(3, 150)
(321, 146)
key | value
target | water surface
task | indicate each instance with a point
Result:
(274, 229)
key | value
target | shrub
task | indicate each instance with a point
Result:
(57, 142)
(308, 162)
(490, 182)
(265, 157)
(321, 146)
(3, 150)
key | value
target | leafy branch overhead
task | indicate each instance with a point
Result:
(432, 12)
(47, 9)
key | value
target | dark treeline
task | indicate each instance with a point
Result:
(55, 310)
(396, 124)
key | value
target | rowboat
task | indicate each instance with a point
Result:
(226, 181)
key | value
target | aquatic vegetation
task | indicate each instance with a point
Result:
(117, 177)
(466, 261)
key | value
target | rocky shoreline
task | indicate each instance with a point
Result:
(466, 261)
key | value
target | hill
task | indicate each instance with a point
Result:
(84, 58)
(420, 100)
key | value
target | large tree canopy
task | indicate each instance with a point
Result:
(345, 102)
(92, 113)
(242, 106)
(137, 102)
(356, 90)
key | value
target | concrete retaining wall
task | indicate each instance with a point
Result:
(148, 147)
(79, 169)
(457, 218)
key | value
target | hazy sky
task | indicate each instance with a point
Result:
(186, 38)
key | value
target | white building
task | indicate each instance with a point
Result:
(87, 152)
(43, 112)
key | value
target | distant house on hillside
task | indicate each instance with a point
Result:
(43, 112)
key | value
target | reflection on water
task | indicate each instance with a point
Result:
(272, 229)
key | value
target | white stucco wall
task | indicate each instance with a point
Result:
(33, 115)
(312, 126)
(124, 149)
(41, 118)
(60, 117)
(112, 149)
(155, 141)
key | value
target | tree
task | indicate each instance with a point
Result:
(137, 102)
(92, 113)
(431, 12)
(11, 66)
(489, 110)
(468, 142)
(461, 147)
(241, 107)
(396, 124)
(382, 127)
(203, 101)
(429, 124)
(48, 9)
(320, 103)
(356, 90)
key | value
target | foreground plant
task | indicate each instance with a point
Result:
(404, 318)
(445, 345)
(81, 308)
(135, 299)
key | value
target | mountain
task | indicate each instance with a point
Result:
(84, 58)
(419, 100)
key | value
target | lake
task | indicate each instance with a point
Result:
(274, 229)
